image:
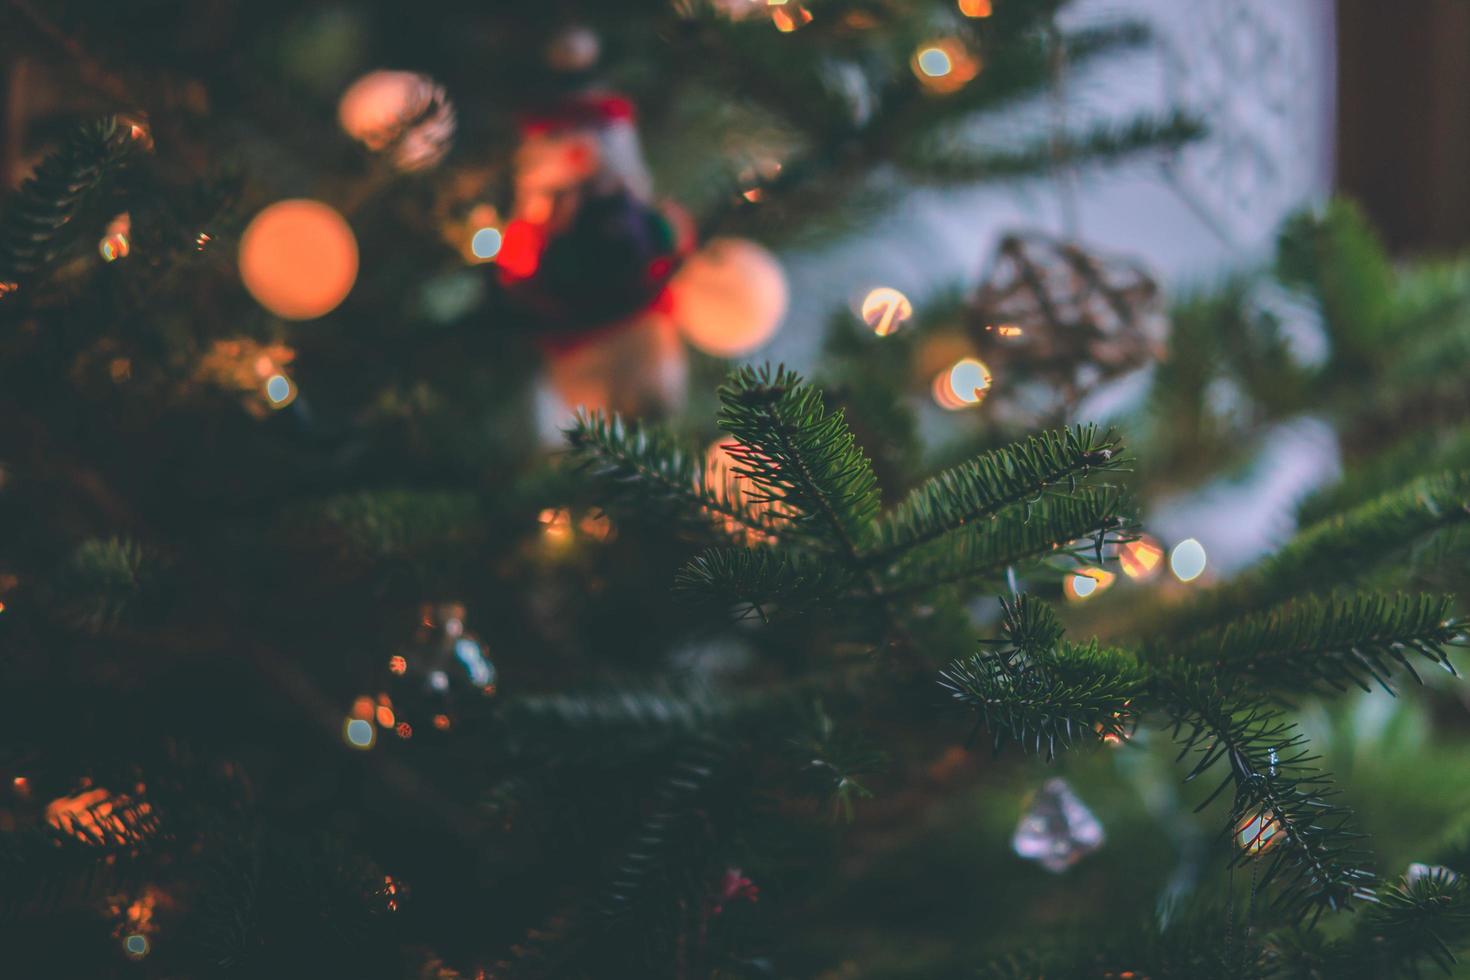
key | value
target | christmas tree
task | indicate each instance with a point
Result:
(412, 570)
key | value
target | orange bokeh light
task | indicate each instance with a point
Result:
(976, 8)
(298, 258)
(1141, 559)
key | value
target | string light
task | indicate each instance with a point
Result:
(964, 385)
(1187, 560)
(279, 391)
(114, 244)
(359, 733)
(1086, 583)
(944, 66)
(485, 243)
(398, 665)
(1141, 559)
(885, 309)
(202, 240)
(788, 16)
(1258, 832)
(976, 8)
(136, 946)
(556, 527)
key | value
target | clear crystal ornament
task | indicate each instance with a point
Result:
(1057, 830)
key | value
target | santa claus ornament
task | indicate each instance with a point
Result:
(588, 252)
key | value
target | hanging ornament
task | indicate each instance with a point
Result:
(589, 255)
(298, 258)
(729, 297)
(635, 366)
(585, 245)
(1057, 830)
(1050, 312)
(402, 114)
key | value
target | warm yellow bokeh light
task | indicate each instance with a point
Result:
(962, 385)
(298, 258)
(1187, 560)
(1141, 559)
(885, 309)
(1086, 583)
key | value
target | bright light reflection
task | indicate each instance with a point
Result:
(1086, 582)
(1187, 560)
(885, 309)
(1141, 559)
(359, 733)
(486, 243)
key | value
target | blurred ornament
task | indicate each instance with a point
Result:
(729, 297)
(1258, 832)
(1187, 560)
(115, 244)
(885, 309)
(944, 65)
(962, 385)
(1086, 583)
(1057, 830)
(1141, 558)
(1049, 311)
(574, 49)
(635, 366)
(585, 245)
(976, 8)
(298, 258)
(401, 113)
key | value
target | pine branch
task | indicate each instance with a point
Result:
(35, 218)
(1038, 690)
(1341, 548)
(1280, 810)
(1312, 641)
(801, 458)
(762, 579)
(986, 486)
(100, 582)
(668, 828)
(1076, 527)
(1426, 919)
(647, 474)
(1102, 144)
(663, 709)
